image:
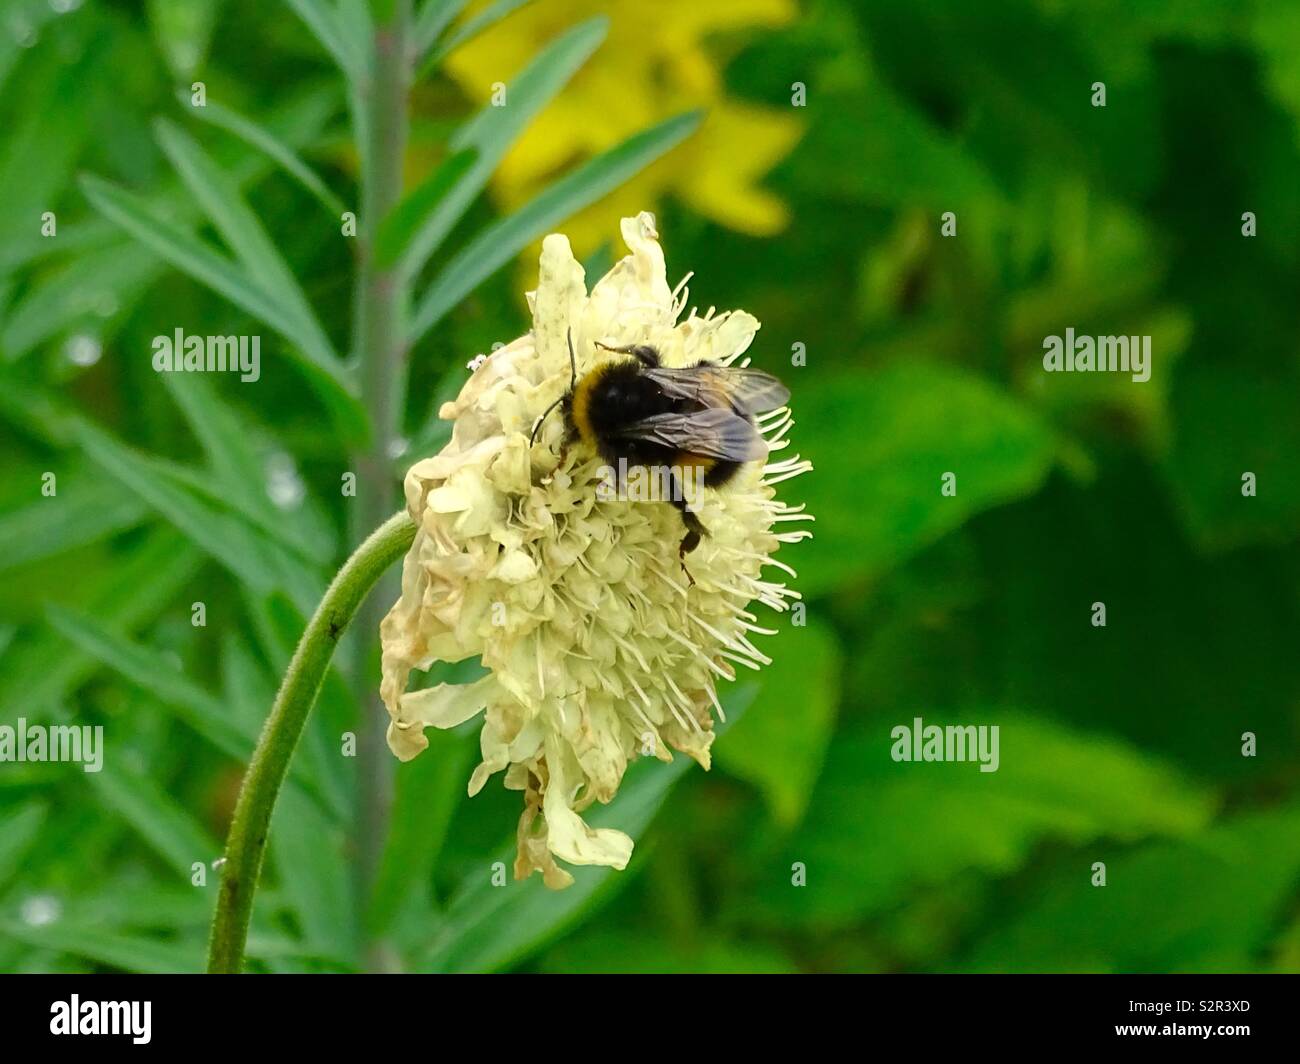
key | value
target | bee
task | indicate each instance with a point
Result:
(635, 411)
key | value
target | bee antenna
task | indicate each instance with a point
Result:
(573, 383)
(541, 419)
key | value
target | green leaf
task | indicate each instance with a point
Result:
(233, 449)
(427, 793)
(78, 292)
(313, 869)
(433, 18)
(228, 731)
(493, 129)
(1258, 413)
(220, 200)
(275, 149)
(502, 241)
(252, 557)
(1208, 904)
(880, 445)
(131, 953)
(40, 669)
(323, 20)
(85, 511)
(155, 673)
(878, 828)
(610, 951)
(22, 828)
(168, 829)
(400, 227)
(782, 742)
(183, 29)
(224, 277)
(471, 28)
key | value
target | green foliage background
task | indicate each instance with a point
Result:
(1119, 744)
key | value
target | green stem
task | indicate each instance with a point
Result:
(382, 294)
(246, 844)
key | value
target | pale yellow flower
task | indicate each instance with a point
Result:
(597, 646)
(654, 64)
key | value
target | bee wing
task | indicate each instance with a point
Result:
(713, 432)
(747, 391)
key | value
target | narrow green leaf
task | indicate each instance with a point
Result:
(39, 669)
(323, 21)
(309, 857)
(275, 149)
(493, 129)
(427, 793)
(84, 512)
(471, 28)
(433, 19)
(155, 673)
(231, 447)
(220, 200)
(22, 827)
(188, 254)
(502, 241)
(79, 292)
(400, 227)
(129, 952)
(248, 554)
(168, 829)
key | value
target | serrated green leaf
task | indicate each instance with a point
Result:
(503, 240)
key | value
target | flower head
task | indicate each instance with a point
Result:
(598, 646)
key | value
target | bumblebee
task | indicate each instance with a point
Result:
(634, 411)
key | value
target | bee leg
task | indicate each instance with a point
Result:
(694, 528)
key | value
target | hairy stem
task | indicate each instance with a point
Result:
(246, 844)
(381, 299)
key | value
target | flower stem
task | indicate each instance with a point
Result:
(246, 844)
(381, 297)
